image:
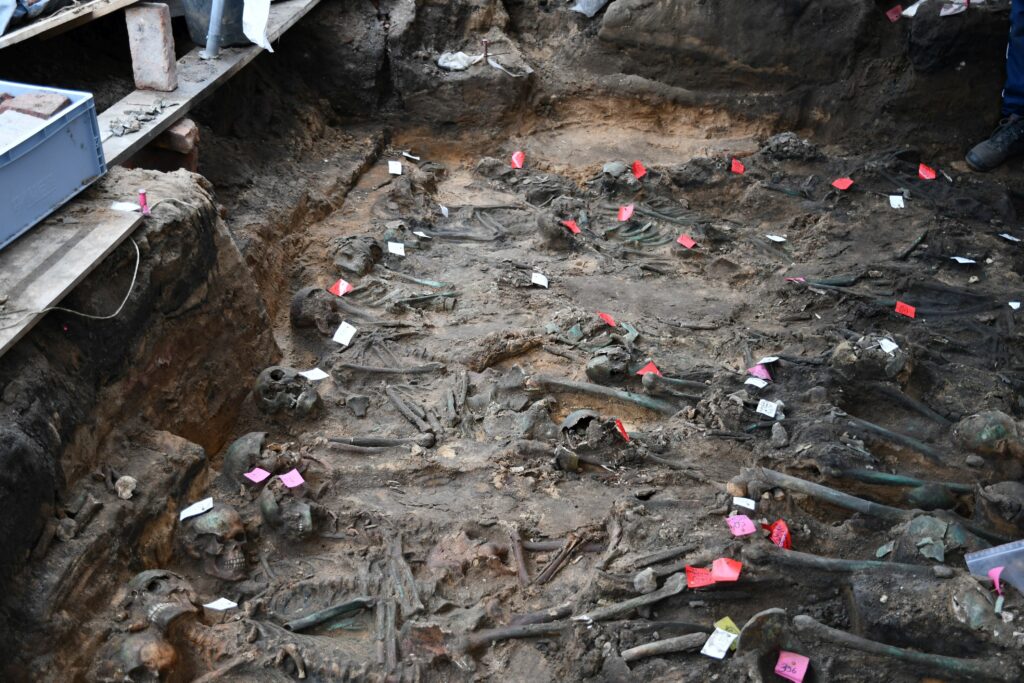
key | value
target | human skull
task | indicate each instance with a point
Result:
(243, 455)
(279, 388)
(136, 657)
(315, 307)
(217, 538)
(158, 597)
(285, 512)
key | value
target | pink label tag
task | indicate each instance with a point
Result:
(292, 478)
(686, 241)
(650, 367)
(926, 172)
(760, 372)
(738, 167)
(741, 525)
(895, 13)
(906, 309)
(725, 569)
(607, 318)
(143, 204)
(518, 159)
(340, 288)
(625, 212)
(994, 574)
(842, 183)
(698, 577)
(638, 170)
(792, 667)
(257, 475)
(622, 429)
(796, 279)
(571, 225)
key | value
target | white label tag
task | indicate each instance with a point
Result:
(409, 156)
(961, 259)
(420, 233)
(718, 644)
(1015, 305)
(395, 167)
(344, 333)
(125, 206)
(539, 279)
(768, 408)
(888, 345)
(221, 604)
(757, 382)
(767, 359)
(205, 505)
(314, 374)
(444, 210)
(396, 248)
(1009, 237)
(748, 503)
(776, 238)
(896, 201)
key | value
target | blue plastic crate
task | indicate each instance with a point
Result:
(48, 166)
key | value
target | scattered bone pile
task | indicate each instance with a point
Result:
(502, 480)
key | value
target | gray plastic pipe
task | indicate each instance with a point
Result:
(213, 35)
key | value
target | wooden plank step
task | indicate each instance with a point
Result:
(65, 19)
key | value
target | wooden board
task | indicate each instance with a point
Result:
(64, 19)
(39, 268)
(197, 78)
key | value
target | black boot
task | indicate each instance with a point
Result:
(1007, 141)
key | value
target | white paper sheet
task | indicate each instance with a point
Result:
(254, 22)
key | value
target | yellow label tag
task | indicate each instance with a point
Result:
(727, 624)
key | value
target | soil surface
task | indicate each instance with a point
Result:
(617, 321)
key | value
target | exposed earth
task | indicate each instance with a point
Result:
(493, 483)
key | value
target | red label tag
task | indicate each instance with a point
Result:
(906, 309)
(779, 534)
(724, 569)
(842, 183)
(738, 167)
(622, 429)
(925, 172)
(340, 288)
(625, 212)
(638, 170)
(686, 241)
(698, 577)
(650, 367)
(518, 159)
(607, 318)
(895, 13)
(573, 228)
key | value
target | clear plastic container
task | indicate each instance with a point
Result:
(1010, 556)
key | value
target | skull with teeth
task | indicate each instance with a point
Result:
(158, 597)
(285, 512)
(217, 538)
(279, 388)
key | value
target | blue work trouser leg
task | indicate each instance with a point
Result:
(1013, 93)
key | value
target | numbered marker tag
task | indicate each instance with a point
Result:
(649, 368)
(895, 13)
(1015, 305)
(625, 212)
(756, 382)
(638, 170)
(1008, 237)
(888, 345)
(896, 201)
(125, 206)
(686, 241)
(725, 569)
(444, 210)
(395, 167)
(621, 428)
(340, 288)
(776, 238)
(925, 172)
(759, 371)
(748, 503)
(410, 156)
(314, 375)
(741, 525)
(571, 226)
(396, 248)
(221, 604)
(343, 335)
(420, 233)
(718, 644)
(779, 532)
(518, 159)
(962, 259)
(791, 666)
(800, 280)
(994, 574)
(607, 318)
(539, 279)
(768, 360)
(698, 577)
(842, 184)
(257, 475)
(768, 408)
(292, 478)
(737, 167)
(906, 309)
(205, 505)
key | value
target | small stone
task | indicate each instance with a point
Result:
(779, 438)
(646, 581)
(779, 494)
(126, 487)
(66, 529)
(975, 460)
(884, 599)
